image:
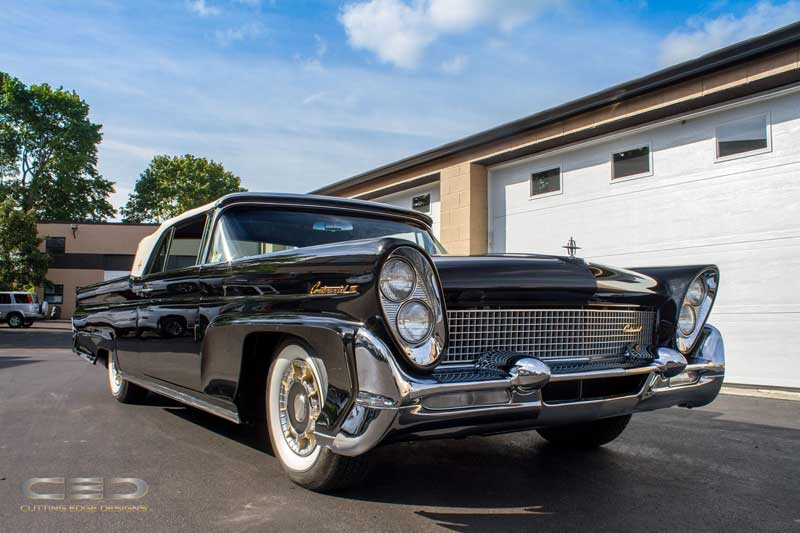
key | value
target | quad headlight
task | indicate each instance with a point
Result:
(695, 308)
(397, 279)
(687, 319)
(412, 305)
(414, 321)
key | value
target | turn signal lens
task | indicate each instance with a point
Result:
(397, 280)
(687, 319)
(414, 321)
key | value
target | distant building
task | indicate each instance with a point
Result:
(84, 253)
(696, 163)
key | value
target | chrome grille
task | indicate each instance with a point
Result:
(546, 333)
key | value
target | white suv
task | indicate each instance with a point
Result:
(21, 309)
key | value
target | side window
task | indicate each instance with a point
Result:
(5, 299)
(185, 245)
(157, 263)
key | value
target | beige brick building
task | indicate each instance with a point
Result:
(86, 253)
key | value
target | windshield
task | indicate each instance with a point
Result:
(254, 230)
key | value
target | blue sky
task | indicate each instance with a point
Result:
(292, 95)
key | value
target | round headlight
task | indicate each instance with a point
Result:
(697, 292)
(397, 280)
(686, 320)
(414, 321)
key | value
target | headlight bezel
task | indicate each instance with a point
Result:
(710, 280)
(426, 353)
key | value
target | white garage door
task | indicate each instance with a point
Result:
(688, 207)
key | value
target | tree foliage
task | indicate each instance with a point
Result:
(171, 185)
(22, 265)
(48, 153)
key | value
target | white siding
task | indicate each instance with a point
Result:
(403, 199)
(742, 214)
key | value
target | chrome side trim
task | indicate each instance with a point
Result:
(186, 398)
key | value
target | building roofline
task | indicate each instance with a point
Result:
(96, 223)
(767, 43)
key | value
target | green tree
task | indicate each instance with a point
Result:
(171, 185)
(22, 265)
(48, 153)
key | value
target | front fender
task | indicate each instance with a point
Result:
(330, 338)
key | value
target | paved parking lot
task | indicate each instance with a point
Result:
(734, 465)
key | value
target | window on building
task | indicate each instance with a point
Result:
(743, 137)
(546, 181)
(421, 203)
(55, 245)
(54, 294)
(631, 163)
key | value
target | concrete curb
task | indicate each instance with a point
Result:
(756, 392)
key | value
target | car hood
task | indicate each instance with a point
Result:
(509, 280)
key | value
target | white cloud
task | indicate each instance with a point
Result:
(398, 32)
(322, 46)
(455, 65)
(199, 7)
(229, 36)
(704, 35)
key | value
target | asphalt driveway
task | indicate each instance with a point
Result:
(734, 465)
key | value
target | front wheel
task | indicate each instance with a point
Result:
(121, 389)
(295, 396)
(586, 434)
(15, 320)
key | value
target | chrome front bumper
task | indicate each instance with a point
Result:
(391, 405)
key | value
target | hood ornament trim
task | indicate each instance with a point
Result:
(571, 247)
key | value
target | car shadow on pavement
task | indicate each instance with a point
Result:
(12, 361)
(246, 434)
(518, 481)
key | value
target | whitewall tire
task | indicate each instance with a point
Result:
(121, 389)
(295, 395)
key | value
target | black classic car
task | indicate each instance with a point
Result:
(338, 325)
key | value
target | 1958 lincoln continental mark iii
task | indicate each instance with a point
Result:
(337, 325)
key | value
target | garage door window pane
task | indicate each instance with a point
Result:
(546, 181)
(632, 162)
(741, 137)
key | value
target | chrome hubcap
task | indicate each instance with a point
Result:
(116, 377)
(299, 407)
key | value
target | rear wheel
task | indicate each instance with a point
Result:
(295, 396)
(27, 324)
(121, 389)
(586, 434)
(15, 320)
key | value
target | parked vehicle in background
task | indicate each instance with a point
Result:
(21, 309)
(339, 325)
